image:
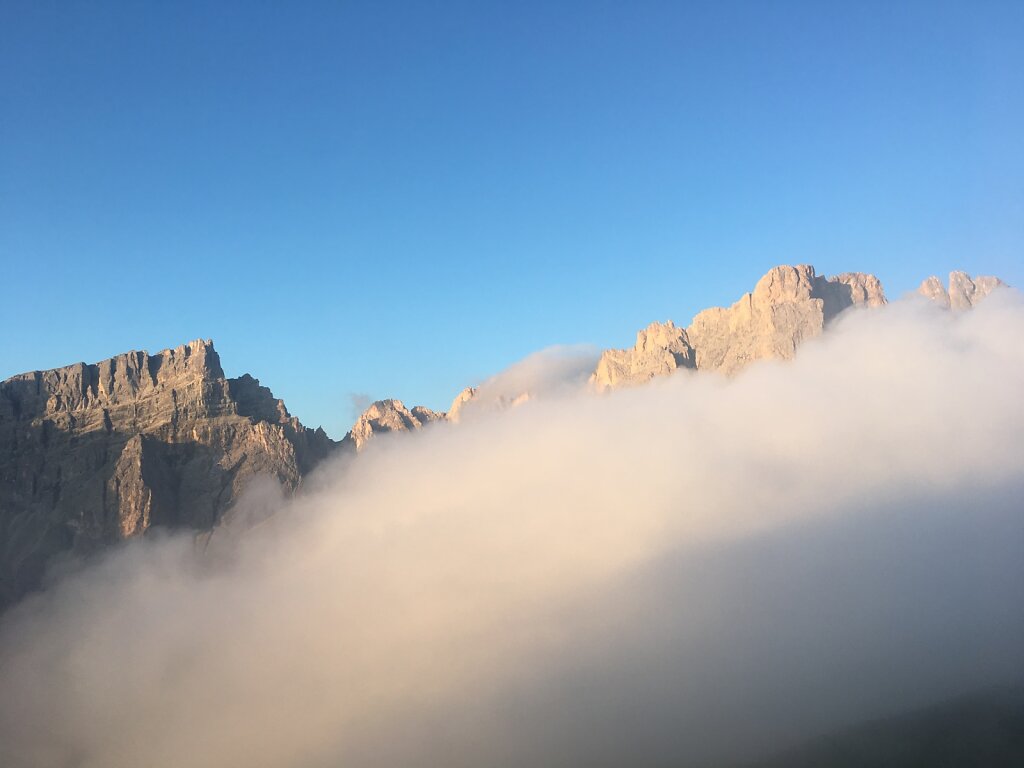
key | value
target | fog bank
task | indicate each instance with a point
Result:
(689, 572)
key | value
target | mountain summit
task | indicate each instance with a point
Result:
(963, 291)
(93, 454)
(787, 306)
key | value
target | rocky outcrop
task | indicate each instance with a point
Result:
(865, 290)
(788, 306)
(386, 416)
(461, 400)
(92, 454)
(963, 292)
(660, 349)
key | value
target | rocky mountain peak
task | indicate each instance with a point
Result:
(384, 416)
(963, 292)
(865, 289)
(87, 390)
(460, 401)
(92, 453)
(784, 284)
(660, 349)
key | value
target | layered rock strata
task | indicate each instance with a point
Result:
(93, 454)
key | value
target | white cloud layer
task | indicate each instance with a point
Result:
(689, 572)
(551, 372)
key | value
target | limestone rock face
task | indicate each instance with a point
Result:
(865, 290)
(963, 292)
(385, 416)
(91, 454)
(460, 401)
(788, 306)
(138, 490)
(660, 349)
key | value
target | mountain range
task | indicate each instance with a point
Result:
(94, 454)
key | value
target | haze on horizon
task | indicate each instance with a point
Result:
(398, 199)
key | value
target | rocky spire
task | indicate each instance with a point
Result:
(460, 402)
(963, 292)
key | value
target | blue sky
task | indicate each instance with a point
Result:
(398, 199)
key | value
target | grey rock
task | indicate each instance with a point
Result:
(788, 306)
(94, 454)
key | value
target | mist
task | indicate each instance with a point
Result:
(552, 371)
(357, 403)
(692, 572)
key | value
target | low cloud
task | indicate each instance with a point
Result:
(357, 403)
(689, 572)
(553, 371)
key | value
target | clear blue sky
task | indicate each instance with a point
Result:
(399, 198)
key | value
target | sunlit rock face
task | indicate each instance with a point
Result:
(91, 454)
(963, 291)
(460, 402)
(865, 289)
(386, 416)
(660, 349)
(788, 306)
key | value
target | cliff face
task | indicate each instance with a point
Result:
(91, 454)
(788, 306)
(660, 349)
(461, 400)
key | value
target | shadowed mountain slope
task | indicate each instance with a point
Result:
(788, 306)
(94, 454)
